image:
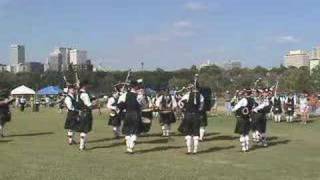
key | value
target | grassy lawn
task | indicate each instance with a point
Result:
(36, 148)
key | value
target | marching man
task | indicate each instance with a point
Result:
(242, 112)
(193, 103)
(166, 103)
(290, 107)
(263, 109)
(132, 119)
(72, 120)
(86, 106)
(114, 120)
(277, 108)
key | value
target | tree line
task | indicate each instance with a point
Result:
(220, 80)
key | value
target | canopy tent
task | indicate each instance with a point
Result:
(50, 90)
(23, 90)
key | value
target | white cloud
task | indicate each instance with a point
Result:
(182, 24)
(182, 29)
(196, 6)
(287, 39)
(148, 39)
(179, 29)
(183, 34)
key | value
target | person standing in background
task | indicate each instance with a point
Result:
(227, 104)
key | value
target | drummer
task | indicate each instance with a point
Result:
(166, 104)
(146, 110)
(114, 119)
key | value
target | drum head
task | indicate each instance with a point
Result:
(146, 120)
(146, 110)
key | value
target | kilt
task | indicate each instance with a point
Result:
(203, 119)
(85, 124)
(167, 118)
(277, 110)
(191, 124)
(132, 123)
(72, 121)
(242, 125)
(115, 120)
(5, 117)
(146, 117)
(255, 120)
(262, 125)
(290, 111)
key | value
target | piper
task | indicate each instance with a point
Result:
(193, 103)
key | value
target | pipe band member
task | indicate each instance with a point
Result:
(277, 108)
(262, 109)
(290, 107)
(193, 103)
(132, 119)
(114, 115)
(86, 119)
(242, 112)
(146, 110)
(166, 104)
(72, 120)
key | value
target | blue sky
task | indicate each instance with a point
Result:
(170, 34)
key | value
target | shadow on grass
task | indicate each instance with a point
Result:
(270, 144)
(155, 141)
(225, 138)
(101, 140)
(107, 146)
(151, 135)
(160, 148)
(274, 143)
(5, 141)
(271, 138)
(211, 134)
(215, 149)
(31, 134)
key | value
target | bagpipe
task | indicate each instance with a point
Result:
(77, 85)
(195, 87)
(119, 88)
(122, 87)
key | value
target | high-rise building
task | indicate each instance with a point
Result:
(55, 61)
(315, 53)
(87, 67)
(78, 57)
(17, 54)
(65, 57)
(297, 58)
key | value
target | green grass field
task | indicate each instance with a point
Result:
(36, 148)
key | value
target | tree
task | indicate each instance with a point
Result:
(315, 78)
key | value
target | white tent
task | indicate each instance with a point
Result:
(23, 90)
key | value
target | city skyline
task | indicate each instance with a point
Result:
(122, 34)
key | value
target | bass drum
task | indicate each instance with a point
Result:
(146, 118)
